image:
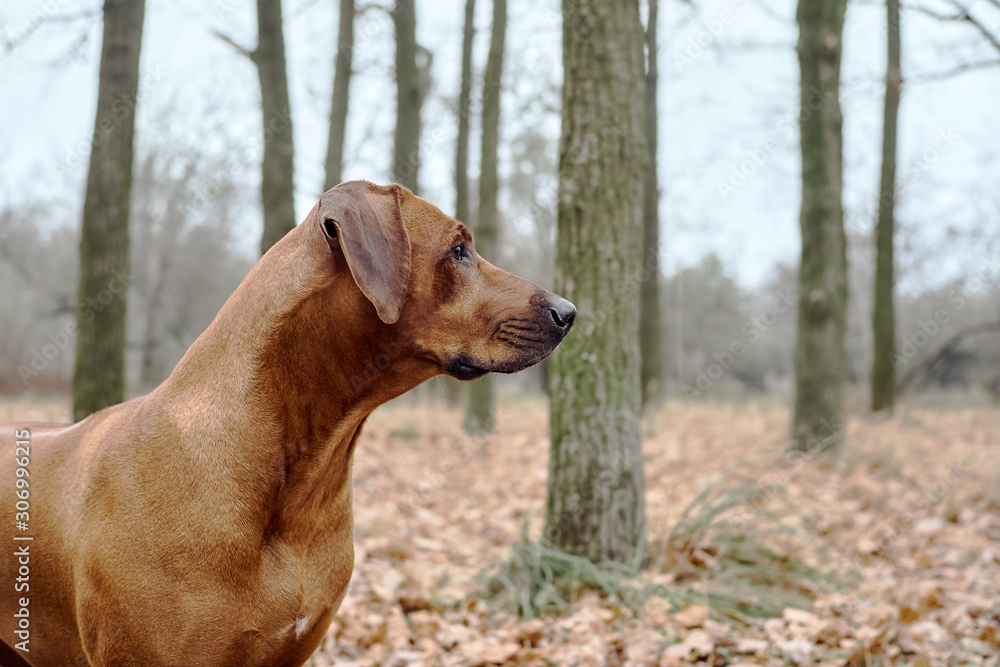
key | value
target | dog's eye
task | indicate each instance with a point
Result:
(459, 252)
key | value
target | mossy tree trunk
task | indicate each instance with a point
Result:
(277, 183)
(341, 91)
(99, 372)
(595, 502)
(650, 328)
(480, 414)
(883, 378)
(820, 358)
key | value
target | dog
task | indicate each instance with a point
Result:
(209, 523)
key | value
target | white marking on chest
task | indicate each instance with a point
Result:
(299, 625)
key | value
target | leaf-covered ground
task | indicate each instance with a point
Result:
(889, 554)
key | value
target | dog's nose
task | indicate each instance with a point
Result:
(563, 313)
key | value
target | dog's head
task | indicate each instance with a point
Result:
(419, 270)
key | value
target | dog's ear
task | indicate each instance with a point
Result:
(365, 220)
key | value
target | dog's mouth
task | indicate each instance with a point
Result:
(467, 368)
(464, 368)
(523, 342)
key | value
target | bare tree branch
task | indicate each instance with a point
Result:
(11, 42)
(751, 46)
(239, 48)
(966, 15)
(773, 14)
(955, 71)
(926, 366)
(74, 52)
(927, 11)
(963, 15)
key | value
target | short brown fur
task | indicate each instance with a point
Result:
(210, 522)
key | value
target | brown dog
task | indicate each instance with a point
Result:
(209, 523)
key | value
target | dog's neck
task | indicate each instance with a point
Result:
(328, 365)
(293, 403)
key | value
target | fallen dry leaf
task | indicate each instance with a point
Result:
(922, 567)
(692, 616)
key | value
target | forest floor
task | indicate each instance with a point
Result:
(887, 555)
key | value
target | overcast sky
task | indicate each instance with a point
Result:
(728, 97)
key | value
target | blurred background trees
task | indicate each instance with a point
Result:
(341, 90)
(480, 414)
(277, 183)
(883, 382)
(650, 315)
(820, 359)
(721, 241)
(102, 294)
(413, 65)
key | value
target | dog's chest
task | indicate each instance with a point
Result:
(291, 644)
(304, 592)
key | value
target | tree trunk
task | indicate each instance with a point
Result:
(453, 387)
(341, 88)
(650, 327)
(480, 415)
(99, 372)
(277, 184)
(464, 114)
(820, 358)
(411, 84)
(883, 380)
(595, 504)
